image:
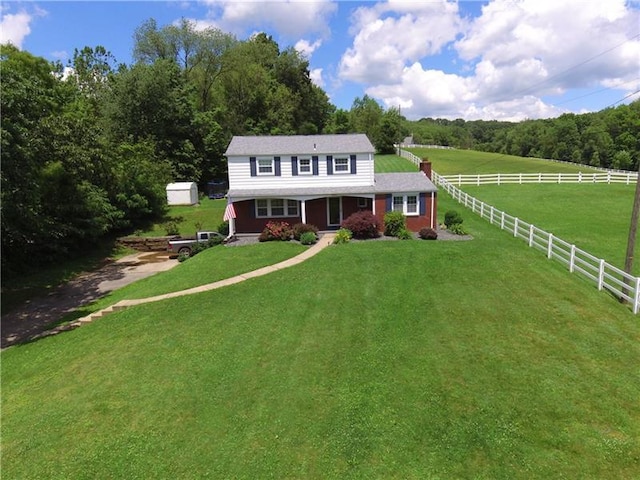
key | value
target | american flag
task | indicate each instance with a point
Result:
(229, 212)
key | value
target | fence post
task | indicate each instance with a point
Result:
(478, 180)
(482, 210)
(498, 179)
(572, 259)
(601, 274)
(502, 221)
(473, 204)
(636, 297)
(515, 227)
(520, 177)
(531, 235)
(491, 215)
(550, 246)
(579, 177)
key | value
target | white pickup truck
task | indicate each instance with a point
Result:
(183, 246)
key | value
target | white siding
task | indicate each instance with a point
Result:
(240, 174)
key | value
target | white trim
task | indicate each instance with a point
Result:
(341, 172)
(405, 203)
(269, 206)
(363, 202)
(265, 159)
(432, 210)
(300, 171)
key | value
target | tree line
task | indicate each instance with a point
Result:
(87, 150)
(609, 138)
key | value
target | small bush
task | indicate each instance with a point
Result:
(223, 228)
(300, 228)
(363, 224)
(394, 222)
(404, 234)
(308, 238)
(428, 234)
(457, 229)
(275, 231)
(342, 236)
(452, 218)
(172, 228)
(182, 257)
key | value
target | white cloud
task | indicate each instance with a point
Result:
(291, 18)
(15, 27)
(306, 48)
(388, 35)
(508, 58)
(316, 77)
(60, 54)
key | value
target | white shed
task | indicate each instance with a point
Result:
(182, 193)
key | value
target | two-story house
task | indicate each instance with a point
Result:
(320, 180)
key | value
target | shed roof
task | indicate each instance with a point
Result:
(299, 144)
(180, 185)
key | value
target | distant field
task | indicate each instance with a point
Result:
(453, 161)
(595, 217)
(397, 359)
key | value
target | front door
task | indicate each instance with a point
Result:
(334, 211)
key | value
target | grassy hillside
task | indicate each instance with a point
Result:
(412, 359)
(453, 161)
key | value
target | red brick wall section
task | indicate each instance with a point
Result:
(413, 223)
(247, 223)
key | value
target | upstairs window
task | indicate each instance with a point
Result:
(341, 165)
(265, 166)
(304, 166)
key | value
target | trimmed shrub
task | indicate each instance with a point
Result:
(275, 231)
(457, 229)
(394, 222)
(223, 228)
(404, 234)
(428, 234)
(342, 236)
(452, 217)
(300, 228)
(308, 238)
(363, 224)
(172, 228)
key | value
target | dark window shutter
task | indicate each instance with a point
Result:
(329, 165)
(253, 211)
(276, 162)
(316, 169)
(252, 165)
(389, 203)
(423, 204)
(353, 164)
(294, 166)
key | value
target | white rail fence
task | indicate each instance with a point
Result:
(604, 275)
(627, 178)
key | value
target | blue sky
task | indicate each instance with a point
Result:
(497, 59)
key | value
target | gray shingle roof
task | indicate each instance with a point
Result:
(404, 182)
(299, 144)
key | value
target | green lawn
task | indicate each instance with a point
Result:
(595, 217)
(411, 359)
(393, 163)
(205, 216)
(453, 161)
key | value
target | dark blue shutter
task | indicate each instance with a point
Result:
(353, 164)
(276, 162)
(316, 169)
(329, 165)
(252, 165)
(423, 204)
(389, 203)
(294, 166)
(253, 209)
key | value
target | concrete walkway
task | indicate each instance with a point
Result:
(324, 241)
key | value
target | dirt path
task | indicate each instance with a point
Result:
(32, 318)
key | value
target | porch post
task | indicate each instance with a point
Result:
(303, 208)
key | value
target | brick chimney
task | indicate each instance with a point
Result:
(425, 166)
